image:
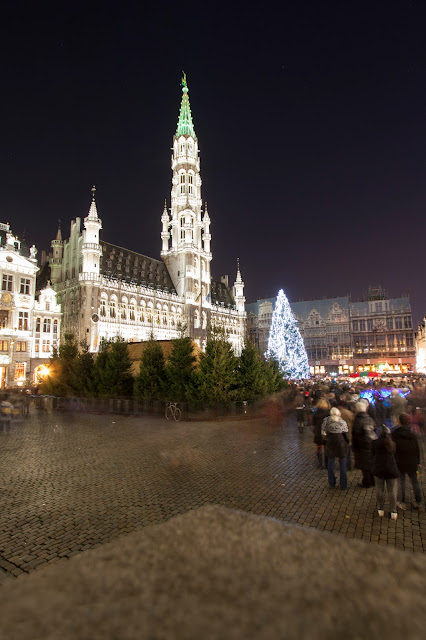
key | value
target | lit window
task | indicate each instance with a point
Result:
(23, 321)
(4, 345)
(132, 311)
(7, 283)
(19, 370)
(21, 346)
(4, 316)
(46, 346)
(25, 286)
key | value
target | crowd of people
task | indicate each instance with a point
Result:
(380, 438)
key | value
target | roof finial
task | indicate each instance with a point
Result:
(93, 189)
(238, 264)
(184, 83)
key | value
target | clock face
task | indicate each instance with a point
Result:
(6, 298)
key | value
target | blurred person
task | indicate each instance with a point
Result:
(417, 421)
(334, 431)
(398, 405)
(363, 434)
(321, 411)
(300, 410)
(385, 471)
(6, 410)
(407, 456)
(348, 416)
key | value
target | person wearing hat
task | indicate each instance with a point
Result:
(334, 430)
(385, 471)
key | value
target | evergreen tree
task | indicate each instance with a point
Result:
(285, 342)
(59, 382)
(217, 372)
(83, 372)
(252, 379)
(112, 370)
(180, 370)
(150, 381)
(274, 377)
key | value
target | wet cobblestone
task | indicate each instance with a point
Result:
(72, 482)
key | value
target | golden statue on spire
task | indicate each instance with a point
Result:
(183, 83)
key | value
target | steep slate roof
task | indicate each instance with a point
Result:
(303, 308)
(395, 305)
(221, 293)
(134, 268)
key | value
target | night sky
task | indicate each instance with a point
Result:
(310, 119)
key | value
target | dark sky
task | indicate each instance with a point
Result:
(310, 118)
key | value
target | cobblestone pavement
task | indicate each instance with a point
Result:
(73, 482)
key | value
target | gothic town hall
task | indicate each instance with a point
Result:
(107, 291)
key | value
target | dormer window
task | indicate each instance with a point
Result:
(47, 305)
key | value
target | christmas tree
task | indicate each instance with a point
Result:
(285, 343)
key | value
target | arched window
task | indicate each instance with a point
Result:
(164, 315)
(102, 308)
(182, 183)
(190, 184)
(112, 309)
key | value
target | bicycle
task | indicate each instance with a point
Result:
(173, 411)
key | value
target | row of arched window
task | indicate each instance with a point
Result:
(144, 312)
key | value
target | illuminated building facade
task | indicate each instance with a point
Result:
(107, 291)
(21, 315)
(342, 336)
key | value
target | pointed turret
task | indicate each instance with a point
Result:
(165, 235)
(206, 228)
(239, 290)
(185, 126)
(55, 261)
(93, 212)
(91, 249)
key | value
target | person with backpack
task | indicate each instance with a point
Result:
(334, 431)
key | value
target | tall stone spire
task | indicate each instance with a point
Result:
(185, 126)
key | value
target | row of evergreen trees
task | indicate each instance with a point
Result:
(217, 378)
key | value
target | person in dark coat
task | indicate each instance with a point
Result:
(363, 434)
(385, 471)
(335, 432)
(321, 411)
(407, 456)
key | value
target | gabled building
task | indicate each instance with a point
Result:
(342, 336)
(19, 353)
(106, 291)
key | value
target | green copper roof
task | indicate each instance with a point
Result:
(185, 125)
